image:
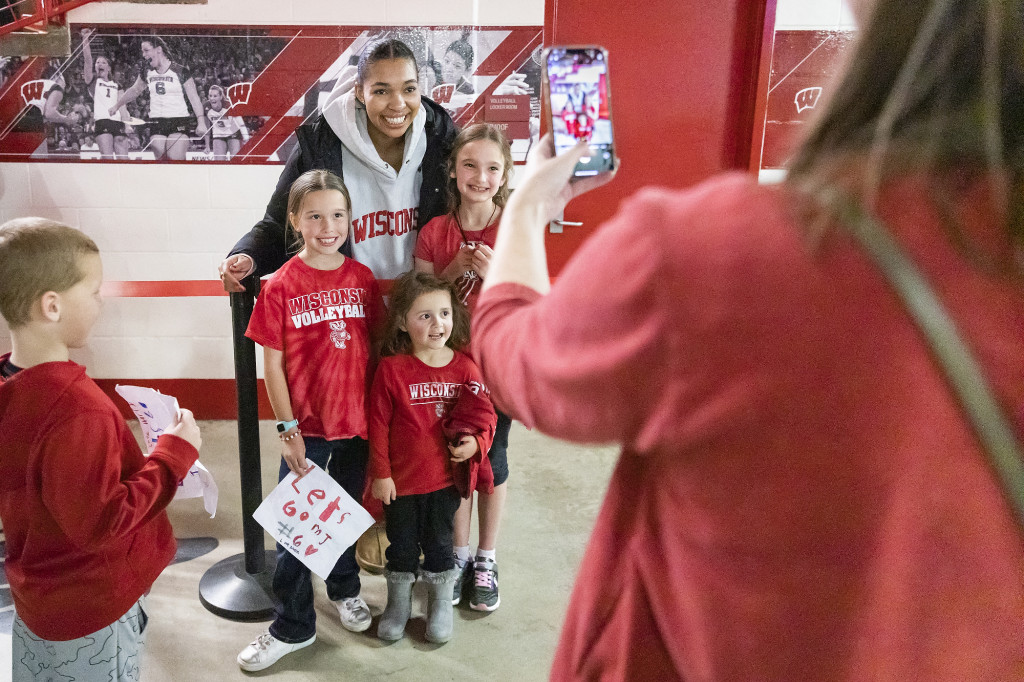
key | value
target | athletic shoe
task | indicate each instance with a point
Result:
(485, 585)
(266, 650)
(465, 568)
(355, 614)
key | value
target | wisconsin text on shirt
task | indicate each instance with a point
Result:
(431, 391)
(380, 223)
(332, 304)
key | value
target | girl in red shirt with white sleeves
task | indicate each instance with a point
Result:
(417, 383)
(457, 247)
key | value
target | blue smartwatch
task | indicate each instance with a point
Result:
(282, 427)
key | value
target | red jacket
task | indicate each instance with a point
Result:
(82, 508)
(799, 495)
(472, 415)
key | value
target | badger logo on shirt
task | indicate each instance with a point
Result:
(338, 334)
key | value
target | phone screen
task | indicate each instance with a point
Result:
(578, 96)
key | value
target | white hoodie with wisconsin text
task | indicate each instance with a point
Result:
(384, 202)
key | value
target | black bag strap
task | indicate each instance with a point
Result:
(962, 370)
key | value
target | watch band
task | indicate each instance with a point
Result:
(284, 426)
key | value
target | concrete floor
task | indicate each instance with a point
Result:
(554, 493)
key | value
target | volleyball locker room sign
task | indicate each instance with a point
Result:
(254, 84)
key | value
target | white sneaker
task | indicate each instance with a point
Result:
(355, 614)
(266, 650)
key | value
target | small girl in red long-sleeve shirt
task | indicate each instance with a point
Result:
(416, 385)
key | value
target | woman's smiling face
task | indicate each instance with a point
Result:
(391, 93)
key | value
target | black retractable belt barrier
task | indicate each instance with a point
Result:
(239, 587)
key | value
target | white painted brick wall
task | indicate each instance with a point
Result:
(130, 210)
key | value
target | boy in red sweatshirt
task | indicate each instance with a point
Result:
(82, 508)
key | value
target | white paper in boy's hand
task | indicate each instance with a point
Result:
(157, 413)
(313, 518)
(199, 483)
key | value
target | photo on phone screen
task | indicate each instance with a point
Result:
(577, 79)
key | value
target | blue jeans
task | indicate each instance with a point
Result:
(295, 618)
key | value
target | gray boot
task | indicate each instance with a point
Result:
(391, 625)
(440, 587)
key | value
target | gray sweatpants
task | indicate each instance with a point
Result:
(110, 653)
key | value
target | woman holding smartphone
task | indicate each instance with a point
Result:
(800, 495)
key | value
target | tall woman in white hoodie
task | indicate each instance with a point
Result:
(388, 143)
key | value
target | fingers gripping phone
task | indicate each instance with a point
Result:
(578, 93)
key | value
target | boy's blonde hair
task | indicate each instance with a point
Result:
(37, 255)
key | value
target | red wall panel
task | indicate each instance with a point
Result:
(684, 78)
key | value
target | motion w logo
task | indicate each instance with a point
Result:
(238, 93)
(442, 94)
(32, 91)
(807, 98)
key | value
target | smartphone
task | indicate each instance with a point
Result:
(576, 79)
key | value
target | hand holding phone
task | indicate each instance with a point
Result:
(579, 105)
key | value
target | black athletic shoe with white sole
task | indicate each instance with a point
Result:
(484, 596)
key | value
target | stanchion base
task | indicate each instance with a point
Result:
(227, 590)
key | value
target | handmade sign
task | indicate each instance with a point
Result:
(156, 413)
(313, 518)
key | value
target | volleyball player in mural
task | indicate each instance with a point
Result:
(228, 132)
(457, 65)
(173, 101)
(110, 129)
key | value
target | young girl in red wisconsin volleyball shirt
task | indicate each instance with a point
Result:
(417, 383)
(316, 318)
